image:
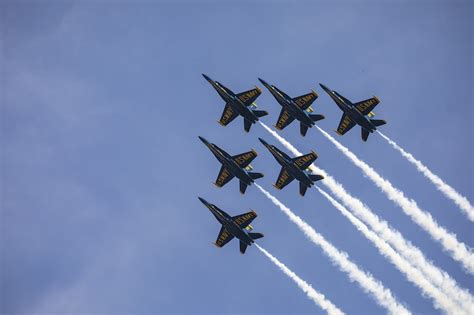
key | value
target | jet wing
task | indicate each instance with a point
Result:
(365, 107)
(304, 161)
(245, 159)
(224, 177)
(345, 125)
(283, 179)
(228, 115)
(223, 238)
(248, 97)
(284, 119)
(305, 101)
(244, 220)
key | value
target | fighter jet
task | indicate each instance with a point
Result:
(292, 168)
(237, 165)
(242, 104)
(294, 108)
(237, 226)
(359, 113)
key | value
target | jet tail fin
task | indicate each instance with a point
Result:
(378, 122)
(316, 117)
(243, 187)
(315, 177)
(365, 134)
(243, 247)
(260, 113)
(255, 175)
(247, 125)
(303, 129)
(255, 236)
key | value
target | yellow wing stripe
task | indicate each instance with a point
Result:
(227, 116)
(250, 94)
(222, 177)
(241, 159)
(281, 122)
(282, 179)
(222, 238)
(344, 124)
(246, 217)
(367, 104)
(305, 99)
(306, 158)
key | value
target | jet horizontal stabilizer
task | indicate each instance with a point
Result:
(243, 187)
(247, 125)
(255, 236)
(316, 117)
(255, 175)
(303, 129)
(365, 134)
(243, 247)
(260, 113)
(378, 122)
(315, 177)
(303, 189)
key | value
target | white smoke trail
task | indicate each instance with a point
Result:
(318, 298)
(447, 190)
(458, 250)
(441, 301)
(388, 233)
(382, 295)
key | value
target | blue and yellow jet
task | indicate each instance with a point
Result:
(237, 226)
(242, 104)
(237, 165)
(359, 113)
(292, 168)
(298, 108)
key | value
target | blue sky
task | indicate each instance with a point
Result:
(102, 104)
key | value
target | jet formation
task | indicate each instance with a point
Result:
(297, 108)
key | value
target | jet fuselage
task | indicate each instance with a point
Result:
(230, 98)
(286, 162)
(349, 109)
(228, 162)
(289, 105)
(228, 223)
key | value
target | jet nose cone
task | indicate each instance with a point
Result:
(203, 140)
(203, 201)
(263, 82)
(263, 141)
(324, 87)
(206, 77)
